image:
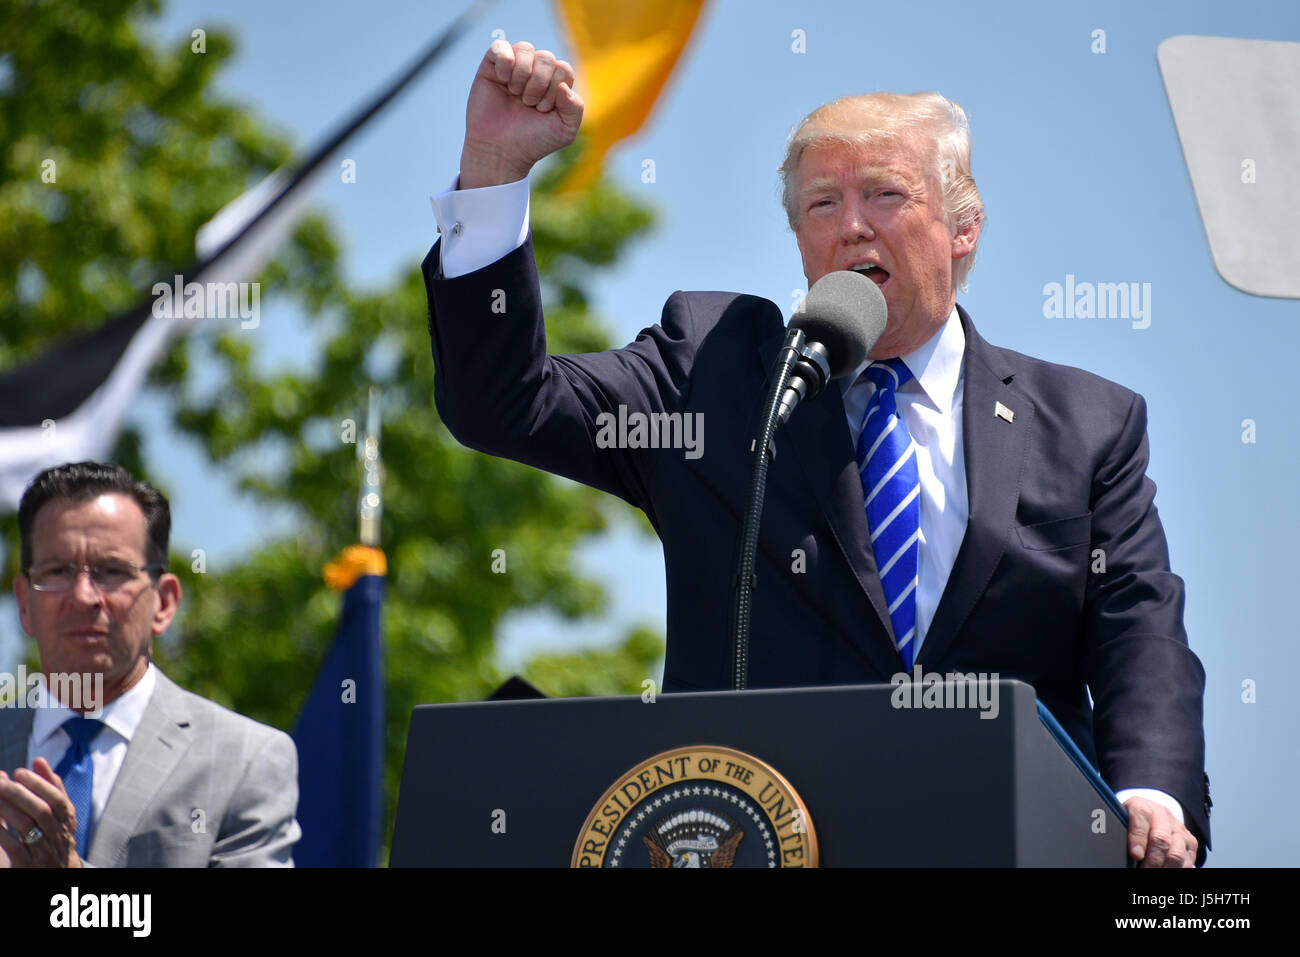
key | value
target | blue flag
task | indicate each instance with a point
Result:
(340, 738)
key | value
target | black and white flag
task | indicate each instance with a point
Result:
(68, 404)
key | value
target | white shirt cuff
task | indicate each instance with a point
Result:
(479, 226)
(1151, 794)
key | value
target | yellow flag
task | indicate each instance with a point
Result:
(354, 562)
(625, 52)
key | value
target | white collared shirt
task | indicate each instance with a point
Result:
(930, 406)
(121, 720)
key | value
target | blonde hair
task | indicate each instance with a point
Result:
(861, 121)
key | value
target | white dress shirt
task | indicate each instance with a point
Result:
(121, 718)
(480, 226)
(930, 406)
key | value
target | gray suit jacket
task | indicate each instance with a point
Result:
(201, 786)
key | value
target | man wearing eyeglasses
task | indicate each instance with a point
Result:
(126, 769)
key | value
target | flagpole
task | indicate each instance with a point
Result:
(370, 502)
(340, 737)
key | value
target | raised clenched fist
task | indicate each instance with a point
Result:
(521, 108)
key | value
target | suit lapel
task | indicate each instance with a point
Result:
(818, 436)
(164, 735)
(994, 454)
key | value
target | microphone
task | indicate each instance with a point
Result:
(842, 319)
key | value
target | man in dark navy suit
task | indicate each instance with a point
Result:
(1023, 539)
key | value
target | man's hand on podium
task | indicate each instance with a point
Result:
(1155, 838)
(521, 109)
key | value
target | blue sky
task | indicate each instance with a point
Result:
(1078, 161)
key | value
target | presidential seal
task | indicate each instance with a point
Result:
(702, 806)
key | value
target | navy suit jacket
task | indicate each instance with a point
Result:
(1054, 493)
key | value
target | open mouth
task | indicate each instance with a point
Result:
(874, 273)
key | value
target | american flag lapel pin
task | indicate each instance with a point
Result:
(1002, 412)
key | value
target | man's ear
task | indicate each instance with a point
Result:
(964, 240)
(22, 592)
(169, 600)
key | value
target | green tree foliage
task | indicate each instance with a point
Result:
(145, 152)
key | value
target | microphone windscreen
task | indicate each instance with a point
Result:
(846, 312)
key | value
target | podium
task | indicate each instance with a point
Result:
(899, 775)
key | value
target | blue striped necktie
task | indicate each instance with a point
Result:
(78, 773)
(891, 487)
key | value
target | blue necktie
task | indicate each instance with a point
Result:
(891, 487)
(78, 772)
